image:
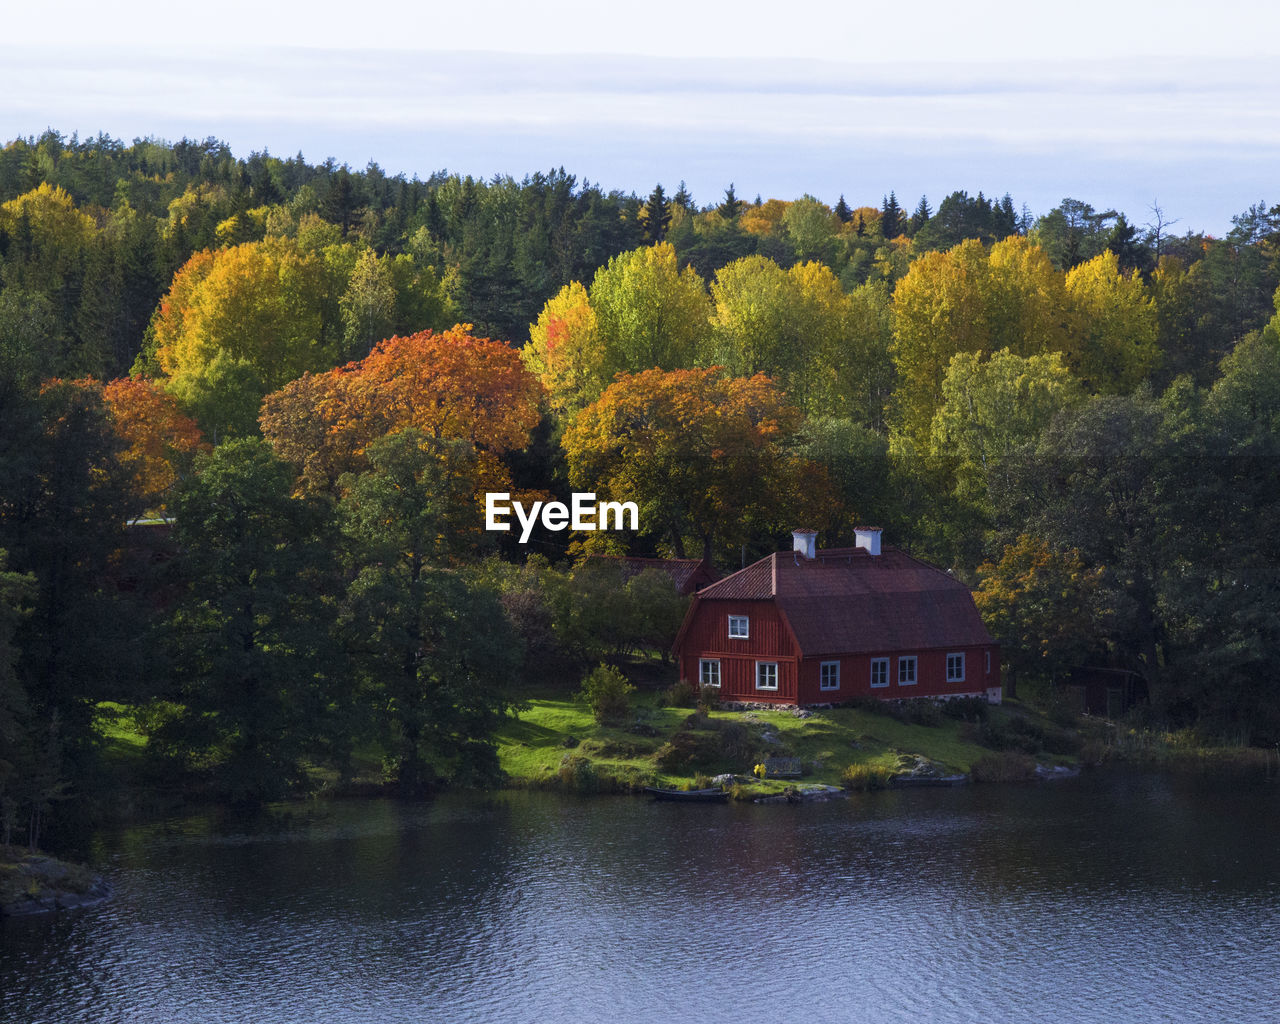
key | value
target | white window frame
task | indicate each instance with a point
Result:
(955, 677)
(822, 667)
(883, 665)
(903, 662)
(742, 622)
(703, 665)
(760, 666)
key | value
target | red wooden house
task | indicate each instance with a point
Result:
(816, 626)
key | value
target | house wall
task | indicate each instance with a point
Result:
(768, 640)
(931, 676)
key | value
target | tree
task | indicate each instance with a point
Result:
(449, 385)
(700, 452)
(161, 441)
(656, 215)
(991, 407)
(438, 656)
(368, 305)
(731, 205)
(921, 216)
(260, 680)
(648, 312)
(1043, 608)
(843, 211)
(891, 217)
(1113, 348)
(564, 350)
(244, 322)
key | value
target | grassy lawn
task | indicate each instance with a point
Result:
(546, 744)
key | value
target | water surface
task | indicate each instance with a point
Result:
(1117, 898)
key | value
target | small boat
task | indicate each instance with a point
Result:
(910, 781)
(688, 795)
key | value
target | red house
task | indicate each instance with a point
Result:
(816, 626)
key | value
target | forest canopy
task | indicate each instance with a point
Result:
(319, 371)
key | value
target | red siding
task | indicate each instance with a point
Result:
(707, 637)
(769, 640)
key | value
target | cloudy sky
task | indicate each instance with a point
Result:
(1119, 104)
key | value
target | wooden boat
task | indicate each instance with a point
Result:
(688, 795)
(910, 781)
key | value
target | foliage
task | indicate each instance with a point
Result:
(450, 386)
(699, 451)
(258, 673)
(607, 693)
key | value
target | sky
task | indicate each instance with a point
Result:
(1122, 105)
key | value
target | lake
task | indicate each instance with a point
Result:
(1114, 897)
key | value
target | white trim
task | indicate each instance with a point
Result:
(765, 665)
(743, 623)
(903, 661)
(703, 665)
(955, 678)
(828, 664)
(883, 664)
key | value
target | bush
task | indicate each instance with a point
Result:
(578, 775)
(607, 693)
(736, 743)
(1015, 734)
(1009, 766)
(682, 695)
(709, 698)
(865, 777)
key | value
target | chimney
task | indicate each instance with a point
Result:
(868, 538)
(806, 542)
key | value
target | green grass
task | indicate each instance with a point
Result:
(555, 729)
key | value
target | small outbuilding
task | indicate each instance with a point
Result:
(821, 626)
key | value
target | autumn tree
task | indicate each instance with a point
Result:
(699, 451)
(564, 350)
(1113, 347)
(243, 322)
(1043, 607)
(449, 385)
(161, 441)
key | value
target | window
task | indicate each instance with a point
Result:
(879, 671)
(709, 672)
(738, 627)
(829, 675)
(955, 668)
(766, 675)
(907, 671)
(988, 663)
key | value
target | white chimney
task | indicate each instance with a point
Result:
(806, 542)
(868, 537)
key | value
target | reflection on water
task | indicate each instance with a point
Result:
(1106, 899)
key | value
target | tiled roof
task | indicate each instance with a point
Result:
(847, 601)
(683, 571)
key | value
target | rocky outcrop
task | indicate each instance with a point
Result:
(39, 884)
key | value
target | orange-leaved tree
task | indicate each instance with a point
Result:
(450, 386)
(701, 453)
(161, 440)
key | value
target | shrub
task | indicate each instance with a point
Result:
(864, 777)
(1009, 766)
(736, 743)
(606, 691)
(709, 697)
(682, 695)
(578, 775)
